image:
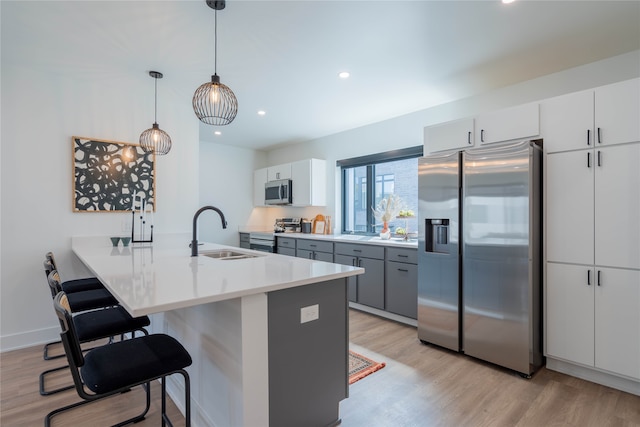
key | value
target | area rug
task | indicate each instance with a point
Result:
(360, 366)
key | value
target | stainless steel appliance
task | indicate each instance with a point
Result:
(479, 248)
(262, 241)
(278, 192)
(287, 225)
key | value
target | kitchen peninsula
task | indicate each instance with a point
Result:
(267, 332)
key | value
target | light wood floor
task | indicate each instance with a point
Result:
(420, 386)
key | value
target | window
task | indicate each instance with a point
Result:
(369, 179)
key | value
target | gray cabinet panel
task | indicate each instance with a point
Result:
(371, 283)
(401, 288)
(287, 251)
(402, 255)
(286, 242)
(352, 281)
(308, 365)
(315, 245)
(364, 251)
(244, 240)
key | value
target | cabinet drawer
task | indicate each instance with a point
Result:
(287, 251)
(410, 256)
(315, 245)
(365, 251)
(286, 242)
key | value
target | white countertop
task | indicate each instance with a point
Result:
(354, 238)
(154, 277)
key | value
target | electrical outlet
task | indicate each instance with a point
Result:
(309, 313)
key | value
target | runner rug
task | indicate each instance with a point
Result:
(360, 366)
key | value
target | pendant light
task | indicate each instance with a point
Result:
(155, 140)
(213, 102)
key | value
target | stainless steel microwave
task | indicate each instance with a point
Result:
(278, 192)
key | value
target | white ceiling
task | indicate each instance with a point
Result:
(284, 56)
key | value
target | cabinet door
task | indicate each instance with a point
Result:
(323, 256)
(287, 251)
(448, 136)
(309, 182)
(570, 312)
(617, 335)
(569, 205)
(566, 122)
(509, 124)
(617, 206)
(371, 283)
(352, 281)
(304, 253)
(617, 112)
(259, 179)
(279, 172)
(401, 288)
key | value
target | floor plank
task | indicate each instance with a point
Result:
(421, 386)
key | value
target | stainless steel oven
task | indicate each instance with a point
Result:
(264, 242)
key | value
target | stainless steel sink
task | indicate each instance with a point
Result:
(226, 254)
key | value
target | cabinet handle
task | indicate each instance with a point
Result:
(359, 262)
(481, 135)
(599, 158)
(469, 138)
(353, 262)
(357, 250)
(313, 246)
(315, 255)
(588, 160)
(403, 256)
(277, 175)
(403, 269)
(599, 278)
(588, 136)
(588, 277)
(599, 137)
(310, 255)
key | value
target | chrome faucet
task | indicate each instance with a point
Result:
(194, 241)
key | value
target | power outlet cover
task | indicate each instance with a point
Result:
(309, 313)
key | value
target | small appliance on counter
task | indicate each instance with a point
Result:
(287, 225)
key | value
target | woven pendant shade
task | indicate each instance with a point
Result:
(214, 103)
(155, 140)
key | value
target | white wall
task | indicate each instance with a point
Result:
(407, 130)
(42, 110)
(226, 182)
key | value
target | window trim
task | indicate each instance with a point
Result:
(368, 161)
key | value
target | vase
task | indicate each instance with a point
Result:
(385, 233)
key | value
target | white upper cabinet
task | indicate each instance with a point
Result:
(279, 172)
(569, 204)
(605, 116)
(617, 206)
(617, 113)
(309, 182)
(259, 179)
(519, 122)
(457, 134)
(566, 122)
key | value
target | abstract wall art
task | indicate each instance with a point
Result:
(107, 175)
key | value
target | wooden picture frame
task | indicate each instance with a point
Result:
(318, 227)
(107, 175)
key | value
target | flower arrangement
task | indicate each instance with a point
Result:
(388, 208)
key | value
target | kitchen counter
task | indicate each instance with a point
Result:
(162, 276)
(253, 326)
(354, 238)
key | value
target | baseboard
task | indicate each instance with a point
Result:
(595, 376)
(391, 316)
(29, 339)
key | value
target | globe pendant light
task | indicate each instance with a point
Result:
(155, 140)
(213, 102)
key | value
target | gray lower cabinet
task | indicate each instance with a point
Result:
(286, 246)
(244, 240)
(314, 249)
(401, 282)
(369, 287)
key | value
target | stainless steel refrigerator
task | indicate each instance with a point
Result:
(479, 253)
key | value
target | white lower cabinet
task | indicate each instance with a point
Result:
(593, 317)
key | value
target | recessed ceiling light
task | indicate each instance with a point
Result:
(344, 74)
(262, 112)
(217, 132)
